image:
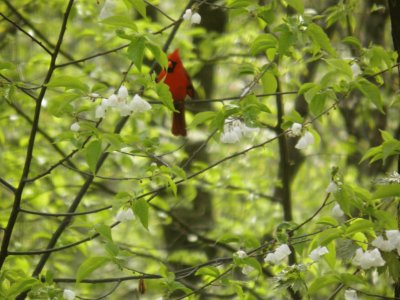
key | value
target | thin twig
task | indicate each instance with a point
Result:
(27, 34)
(8, 185)
(31, 143)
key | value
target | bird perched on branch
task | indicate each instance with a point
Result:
(180, 86)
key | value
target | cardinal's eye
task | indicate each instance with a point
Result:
(171, 66)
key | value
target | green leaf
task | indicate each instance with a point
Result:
(252, 262)
(320, 39)
(93, 152)
(328, 220)
(22, 286)
(359, 225)
(370, 91)
(269, 83)
(385, 191)
(352, 41)
(330, 257)
(202, 117)
(165, 96)
(229, 238)
(340, 65)
(321, 282)
(112, 249)
(389, 148)
(305, 87)
(329, 235)
(141, 210)
(115, 140)
(104, 231)
(69, 83)
(5, 65)
(317, 103)
(286, 39)
(158, 54)
(297, 5)
(120, 21)
(140, 6)
(374, 153)
(136, 51)
(350, 279)
(393, 263)
(60, 105)
(89, 266)
(262, 43)
(208, 271)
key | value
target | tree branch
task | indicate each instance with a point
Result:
(26, 33)
(29, 153)
(8, 185)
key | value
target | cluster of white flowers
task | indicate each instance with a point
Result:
(75, 127)
(234, 129)
(278, 255)
(392, 242)
(68, 294)
(390, 179)
(350, 295)
(316, 254)
(368, 259)
(306, 140)
(121, 103)
(194, 18)
(337, 211)
(241, 254)
(296, 129)
(332, 187)
(125, 215)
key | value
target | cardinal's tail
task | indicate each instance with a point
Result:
(178, 119)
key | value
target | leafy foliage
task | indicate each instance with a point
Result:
(197, 216)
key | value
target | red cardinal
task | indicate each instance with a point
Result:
(180, 85)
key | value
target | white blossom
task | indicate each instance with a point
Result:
(332, 187)
(105, 102)
(382, 244)
(310, 12)
(112, 101)
(392, 242)
(278, 255)
(192, 238)
(138, 104)
(296, 129)
(337, 211)
(368, 259)
(124, 109)
(187, 15)
(196, 18)
(234, 130)
(125, 215)
(229, 137)
(356, 69)
(306, 140)
(75, 127)
(68, 294)
(122, 93)
(316, 254)
(392, 178)
(241, 254)
(350, 295)
(100, 112)
(94, 95)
